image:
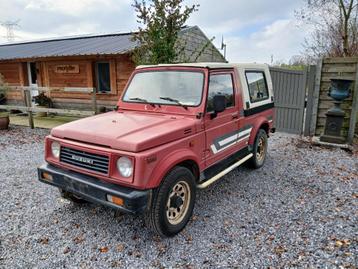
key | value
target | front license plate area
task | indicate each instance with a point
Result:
(75, 186)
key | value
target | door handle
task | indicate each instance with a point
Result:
(235, 116)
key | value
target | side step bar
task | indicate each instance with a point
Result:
(223, 172)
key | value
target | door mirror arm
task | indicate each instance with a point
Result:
(213, 115)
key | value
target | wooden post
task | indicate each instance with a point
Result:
(317, 87)
(309, 105)
(28, 102)
(353, 120)
(94, 100)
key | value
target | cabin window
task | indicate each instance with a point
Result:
(220, 84)
(256, 82)
(103, 77)
(32, 72)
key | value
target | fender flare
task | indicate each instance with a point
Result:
(170, 161)
(258, 123)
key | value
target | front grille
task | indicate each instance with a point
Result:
(85, 160)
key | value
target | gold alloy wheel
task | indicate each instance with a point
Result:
(178, 202)
(261, 149)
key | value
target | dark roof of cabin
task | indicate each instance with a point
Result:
(71, 46)
(105, 44)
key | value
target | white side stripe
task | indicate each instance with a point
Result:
(233, 139)
(248, 131)
(213, 148)
(243, 138)
(228, 139)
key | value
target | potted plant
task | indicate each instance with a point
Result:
(42, 101)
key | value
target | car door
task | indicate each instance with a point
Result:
(222, 131)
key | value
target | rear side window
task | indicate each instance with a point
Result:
(256, 82)
(220, 84)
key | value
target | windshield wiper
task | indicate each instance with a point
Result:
(174, 100)
(141, 100)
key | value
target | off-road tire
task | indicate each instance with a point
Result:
(156, 217)
(69, 196)
(256, 162)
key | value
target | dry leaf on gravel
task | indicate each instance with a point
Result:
(103, 249)
(120, 247)
(279, 250)
(342, 243)
(78, 239)
(44, 240)
(66, 250)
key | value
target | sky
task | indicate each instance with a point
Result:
(254, 31)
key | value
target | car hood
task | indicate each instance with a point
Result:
(128, 131)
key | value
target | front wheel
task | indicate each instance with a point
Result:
(173, 202)
(259, 150)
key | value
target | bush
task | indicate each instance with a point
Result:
(43, 100)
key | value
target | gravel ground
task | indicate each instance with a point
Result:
(300, 210)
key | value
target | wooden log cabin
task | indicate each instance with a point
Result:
(66, 66)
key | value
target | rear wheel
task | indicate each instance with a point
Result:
(259, 150)
(71, 197)
(173, 202)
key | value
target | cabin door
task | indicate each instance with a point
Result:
(32, 76)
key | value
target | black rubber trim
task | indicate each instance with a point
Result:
(221, 165)
(258, 109)
(95, 190)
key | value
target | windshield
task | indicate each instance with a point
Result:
(166, 87)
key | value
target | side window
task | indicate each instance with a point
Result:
(256, 82)
(220, 84)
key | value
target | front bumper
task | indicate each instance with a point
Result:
(94, 190)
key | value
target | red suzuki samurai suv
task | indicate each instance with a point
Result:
(177, 128)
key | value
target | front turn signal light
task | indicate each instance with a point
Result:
(115, 200)
(47, 176)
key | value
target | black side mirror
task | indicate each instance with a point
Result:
(219, 105)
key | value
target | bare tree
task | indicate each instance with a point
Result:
(334, 27)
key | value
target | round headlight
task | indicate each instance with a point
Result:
(125, 166)
(55, 149)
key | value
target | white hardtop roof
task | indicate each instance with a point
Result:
(210, 65)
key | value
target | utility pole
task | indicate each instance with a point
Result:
(10, 25)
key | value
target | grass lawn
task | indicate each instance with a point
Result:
(42, 122)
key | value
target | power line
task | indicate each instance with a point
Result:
(10, 25)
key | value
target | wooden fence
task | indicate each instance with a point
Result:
(23, 94)
(327, 69)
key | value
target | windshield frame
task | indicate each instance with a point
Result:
(166, 69)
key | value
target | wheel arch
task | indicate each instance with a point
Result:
(261, 123)
(184, 158)
(265, 126)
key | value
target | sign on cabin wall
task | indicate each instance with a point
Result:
(67, 68)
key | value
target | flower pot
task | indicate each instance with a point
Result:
(339, 89)
(41, 114)
(4, 122)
